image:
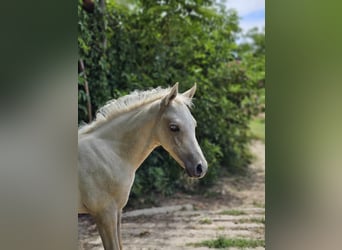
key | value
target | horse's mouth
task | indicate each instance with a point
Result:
(188, 172)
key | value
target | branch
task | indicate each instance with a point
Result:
(86, 90)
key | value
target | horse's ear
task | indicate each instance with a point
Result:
(172, 95)
(191, 92)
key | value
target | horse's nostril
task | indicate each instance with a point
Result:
(199, 169)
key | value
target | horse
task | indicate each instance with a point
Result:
(123, 134)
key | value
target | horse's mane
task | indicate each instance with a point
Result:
(124, 104)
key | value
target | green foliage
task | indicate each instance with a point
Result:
(148, 43)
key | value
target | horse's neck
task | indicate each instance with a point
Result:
(132, 134)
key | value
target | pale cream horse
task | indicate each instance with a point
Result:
(125, 132)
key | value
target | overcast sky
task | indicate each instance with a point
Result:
(251, 12)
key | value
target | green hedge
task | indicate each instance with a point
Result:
(146, 44)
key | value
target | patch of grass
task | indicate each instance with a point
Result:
(258, 204)
(144, 234)
(262, 220)
(194, 215)
(222, 242)
(220, 228)
(233, 212)
(252, 220)
(205, 221)
(212, 194)
(257, 128)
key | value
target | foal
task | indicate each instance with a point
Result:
(125, 132)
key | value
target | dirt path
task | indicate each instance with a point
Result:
(234, 210)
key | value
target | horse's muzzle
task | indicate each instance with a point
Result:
(198, 171)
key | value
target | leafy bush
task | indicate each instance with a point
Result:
(144, 44)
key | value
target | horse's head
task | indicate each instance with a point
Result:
(176, 132)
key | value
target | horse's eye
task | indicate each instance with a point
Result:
(174, 128)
